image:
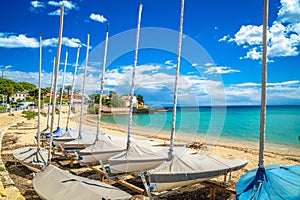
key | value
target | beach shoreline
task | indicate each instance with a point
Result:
(224, 148)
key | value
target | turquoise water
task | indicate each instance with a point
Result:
(235, 122)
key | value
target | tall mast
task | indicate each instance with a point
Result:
(72, 90)
(39, 96)
(102, 83)
(55, 78)
(62, 89)
(51, 93)
(263, 87)
(83, 84)
(171, 149)
(133, 74)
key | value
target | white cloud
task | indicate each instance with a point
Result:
(247, 84)
(8, 40)
(55, 13)
(289, 11)
(52, 42)
(17, 41)
(68, 5)
(98, 18)
(249, 34)
(169, 62)
(220, 70)
(283, 35)
(277, 93)
(37, 4)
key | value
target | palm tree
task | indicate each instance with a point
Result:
(68, 88)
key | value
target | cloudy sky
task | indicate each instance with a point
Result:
(221, 51)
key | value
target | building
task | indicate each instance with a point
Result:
(19, 96)
(125, 100)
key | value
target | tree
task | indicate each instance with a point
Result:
(27, 86)
(68, 88)
(140, 98)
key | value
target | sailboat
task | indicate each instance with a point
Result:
(102, 148)
(137, 157)
(182, 168)
(272, 181)
(83, 140)
(55, 183)
(34, 157)
(69, 134)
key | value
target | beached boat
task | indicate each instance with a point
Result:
(34, 157)
(54, 183)
(137, 157)
(68, 134)
(103, 147)
(272, 181)
(182, 168)
(81, 141)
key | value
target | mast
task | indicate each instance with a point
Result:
(55, 79)
(171, 149)
(62, 89)
(133, 75)
(263, 87)
(51, 92)
(72, 91)
(102, 83)
(39, 96)
(83, 85)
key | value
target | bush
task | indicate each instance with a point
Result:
(29, 114)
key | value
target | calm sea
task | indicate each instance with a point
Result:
(235, 122)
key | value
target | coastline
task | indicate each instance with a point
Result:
(188, 138)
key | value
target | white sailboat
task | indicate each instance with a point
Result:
(69, 134)
(137, 157)
(34, 157)
(182, 168)
(103, 148)
(83, 140)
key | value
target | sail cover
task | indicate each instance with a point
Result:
(137, 158)
(55, 183)
(31, 155)
(270, 182)
(185, 167)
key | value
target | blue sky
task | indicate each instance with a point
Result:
(221, 47)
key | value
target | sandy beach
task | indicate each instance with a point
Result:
(274, 154)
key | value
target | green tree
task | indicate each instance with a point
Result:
(68, 88)
(27, 86)
(140, 98)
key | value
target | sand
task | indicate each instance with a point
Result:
(274, 154)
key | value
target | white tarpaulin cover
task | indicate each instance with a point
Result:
(31, 156)
(54, 183)
(185, 167)
(137, 158)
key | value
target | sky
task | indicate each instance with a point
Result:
(221, 48)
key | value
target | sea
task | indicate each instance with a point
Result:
(230, 122)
